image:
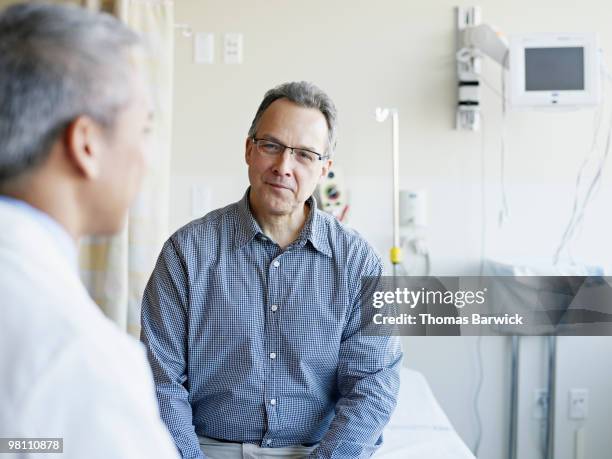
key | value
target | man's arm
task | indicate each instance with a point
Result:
(368, 383)
(164, 333)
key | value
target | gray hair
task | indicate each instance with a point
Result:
(304, 94)
(56, 63)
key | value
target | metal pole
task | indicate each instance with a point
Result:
(395, 127)
(549, 450)
(381, 116)
(514, 398)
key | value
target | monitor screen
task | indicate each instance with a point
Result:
(554, 69)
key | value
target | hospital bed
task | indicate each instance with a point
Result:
(419, 428)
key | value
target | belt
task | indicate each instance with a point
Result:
(223, 440)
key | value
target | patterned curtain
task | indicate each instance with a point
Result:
(115, 270)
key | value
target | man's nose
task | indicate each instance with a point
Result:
(284, 162)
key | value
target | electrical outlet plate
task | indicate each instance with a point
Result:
(540, 403)
(232, 48)
(578, 403)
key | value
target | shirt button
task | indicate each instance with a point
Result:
(273, 402)
(268, 441)
(272, 355)
(276, 263)
(274, 308)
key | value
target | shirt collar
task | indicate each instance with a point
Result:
(248, 227)
(57, 232)
(312, 231)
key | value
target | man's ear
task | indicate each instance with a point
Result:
(327, 164)
(84, 145)
(248, 144)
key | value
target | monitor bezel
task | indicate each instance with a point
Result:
(519, 97)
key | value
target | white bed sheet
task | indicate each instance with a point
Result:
(419, 427)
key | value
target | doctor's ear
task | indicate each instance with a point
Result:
(84, 142)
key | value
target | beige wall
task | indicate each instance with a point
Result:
(400, 54)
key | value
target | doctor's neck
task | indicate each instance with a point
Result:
(53, 199)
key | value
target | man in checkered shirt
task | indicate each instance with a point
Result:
(251, 317)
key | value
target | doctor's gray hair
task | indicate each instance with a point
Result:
(57, 63)
(306, 95)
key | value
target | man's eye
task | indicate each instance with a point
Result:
(306, 155)
(271, 147)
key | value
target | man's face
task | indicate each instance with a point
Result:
(123, 161)
(280, 185)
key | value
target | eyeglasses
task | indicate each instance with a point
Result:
(274, 149)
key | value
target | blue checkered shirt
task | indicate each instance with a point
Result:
(251, 343)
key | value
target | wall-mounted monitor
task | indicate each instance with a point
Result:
(550, 70)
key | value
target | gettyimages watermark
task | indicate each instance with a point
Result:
(501, 305)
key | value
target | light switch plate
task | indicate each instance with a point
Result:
(204, 48)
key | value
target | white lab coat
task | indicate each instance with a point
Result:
(65, 370)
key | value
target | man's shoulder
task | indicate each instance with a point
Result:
(208, 228)
(332, 226)
(343, 238)
(212, 219)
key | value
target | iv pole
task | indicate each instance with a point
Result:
(381, 115)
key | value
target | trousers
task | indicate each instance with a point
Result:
(215, 449)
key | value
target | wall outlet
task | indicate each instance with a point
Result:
(578, 403)
(540, 403)
(232, 48)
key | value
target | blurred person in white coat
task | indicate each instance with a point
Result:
(74, 122)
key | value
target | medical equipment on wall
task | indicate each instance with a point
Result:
(473, 41)
(546, 71)
(412, 228)
(332, 194)
(542, 70)
(560, 69)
